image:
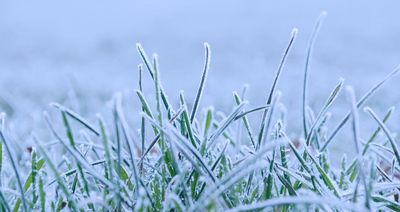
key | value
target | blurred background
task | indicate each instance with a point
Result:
(80, 53)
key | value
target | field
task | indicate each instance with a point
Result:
(296, 137)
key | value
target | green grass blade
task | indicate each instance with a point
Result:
(328, 102)
(152, 74)
(75, 116)
(185, 117)
(392, 205)
(4, 203)
(42, 195)
(202, 82)
(275, 82)
(6, 144)
(245, 120)
(307, 66)
(142, 123)
(150, 147)
(351, 98)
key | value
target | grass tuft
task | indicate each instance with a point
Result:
(157, 159)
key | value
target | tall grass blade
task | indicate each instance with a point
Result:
(351, 98)
(275, 82)
(152, 74)
(202, 82)
(128, 139)
(245, 119)
(142, 123)
(307, 66)
(186, 120)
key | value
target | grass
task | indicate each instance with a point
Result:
(193, 160)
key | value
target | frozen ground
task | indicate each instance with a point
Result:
(48, 49)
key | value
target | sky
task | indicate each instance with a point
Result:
(50, 51)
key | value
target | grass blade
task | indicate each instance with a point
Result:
(202, 82)
(225, 123)
(6, 144)
(328, 102)
(152, 74)
(75, 116)
(274, 84)
(351, 98)
(307, 66)
(245, 119)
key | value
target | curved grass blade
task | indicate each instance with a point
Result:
(202, 82)
(277, 75)
(307, 66)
